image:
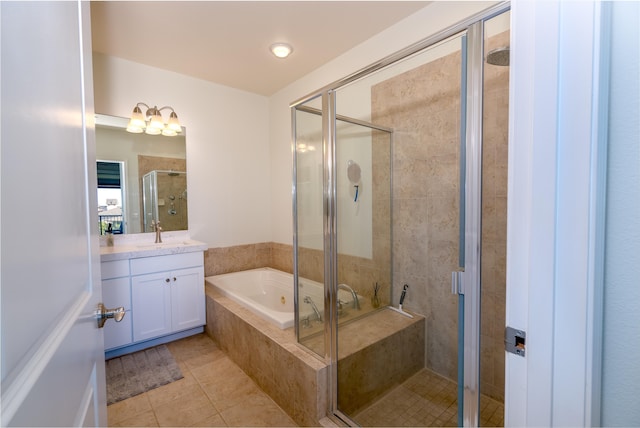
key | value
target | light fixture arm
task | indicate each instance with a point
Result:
(152, 122)
(164, 108)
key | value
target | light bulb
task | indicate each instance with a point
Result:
(152, 131)
(133, 128)
(281, 50)
(137, 119)
(173, 123)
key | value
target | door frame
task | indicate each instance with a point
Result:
(555, 222)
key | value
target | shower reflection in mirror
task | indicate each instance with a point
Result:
(164, 199)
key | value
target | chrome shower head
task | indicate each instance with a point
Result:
(499, 56)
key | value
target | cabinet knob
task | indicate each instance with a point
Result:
(174, 278)
(167, 280)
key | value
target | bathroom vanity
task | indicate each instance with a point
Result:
(160, 286)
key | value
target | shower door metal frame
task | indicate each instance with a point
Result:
(470, 287)
(472, 224)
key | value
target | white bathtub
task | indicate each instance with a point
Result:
(269, 294)
(266, 292)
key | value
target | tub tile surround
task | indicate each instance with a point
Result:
(375, 355)
(291, 375)
(296, 378)
(221, 260)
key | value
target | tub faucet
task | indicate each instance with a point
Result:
(157, 229)
(308, 300)
(356, 303)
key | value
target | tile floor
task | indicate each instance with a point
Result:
(214, 392)
(425, 400)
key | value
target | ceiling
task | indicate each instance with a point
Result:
(227, 42)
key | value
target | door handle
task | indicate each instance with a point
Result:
(457, 284)
(103, 314)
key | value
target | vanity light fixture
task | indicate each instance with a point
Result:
(152, 123)
(281, 50)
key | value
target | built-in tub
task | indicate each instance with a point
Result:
(269, 294)
(293, 377)
(266, 292)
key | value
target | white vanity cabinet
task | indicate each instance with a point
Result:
(161, 287)
(167, 294)
(115, 293)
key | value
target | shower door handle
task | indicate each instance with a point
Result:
(457, 284)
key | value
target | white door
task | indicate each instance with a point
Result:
(52, 350)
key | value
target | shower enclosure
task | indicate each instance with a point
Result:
(164, 199)
(400, 231)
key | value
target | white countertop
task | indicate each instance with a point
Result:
(142, 245)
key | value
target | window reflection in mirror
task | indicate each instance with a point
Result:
(124, 159)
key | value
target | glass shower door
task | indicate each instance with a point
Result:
(308, 229)
(400, 238)
(364, 277)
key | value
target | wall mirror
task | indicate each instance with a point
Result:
(141, 178)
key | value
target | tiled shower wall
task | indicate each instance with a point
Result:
(494, 223)
(423, 107)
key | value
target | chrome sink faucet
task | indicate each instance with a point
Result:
(356, 303)
(157, 229)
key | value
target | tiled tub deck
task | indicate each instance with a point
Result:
(378, 352)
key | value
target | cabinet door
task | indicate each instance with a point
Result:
(187, 296)
(151, 300)
(115, 293)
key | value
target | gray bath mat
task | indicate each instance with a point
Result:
(142, 371)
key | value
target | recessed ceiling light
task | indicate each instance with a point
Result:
(281, 50)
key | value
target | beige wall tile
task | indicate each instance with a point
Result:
(422, 106)
(223, 260)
